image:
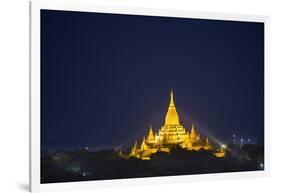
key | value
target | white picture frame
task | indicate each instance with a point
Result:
(36, 6)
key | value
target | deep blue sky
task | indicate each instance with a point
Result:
(105, 77)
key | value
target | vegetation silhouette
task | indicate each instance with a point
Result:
(84, 165)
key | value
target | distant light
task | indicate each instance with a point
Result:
(261, 165)
(84, 174)
(87, 148)
(234, 136)
(223, 146)
(249, 140)
(241, 140)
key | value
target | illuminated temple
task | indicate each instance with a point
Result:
(172, 133)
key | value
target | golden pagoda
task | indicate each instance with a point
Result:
(172, 133)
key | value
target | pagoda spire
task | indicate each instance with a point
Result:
(192, 132)
(172, 117)
(198, 137)
(150, 137)
(143, 144)
(192, 129)
(136, 145)
(207, 141)
(172, 104)
(134, 149)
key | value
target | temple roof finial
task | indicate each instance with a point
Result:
(172, 98)
(193, 128)
(207, 141)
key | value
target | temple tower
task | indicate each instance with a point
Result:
(172, 117)
(172, 132)
(143, 145)
(192, 132)
(150, 138)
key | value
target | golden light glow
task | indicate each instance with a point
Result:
(170, 134)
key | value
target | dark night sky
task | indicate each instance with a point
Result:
(105, 78)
